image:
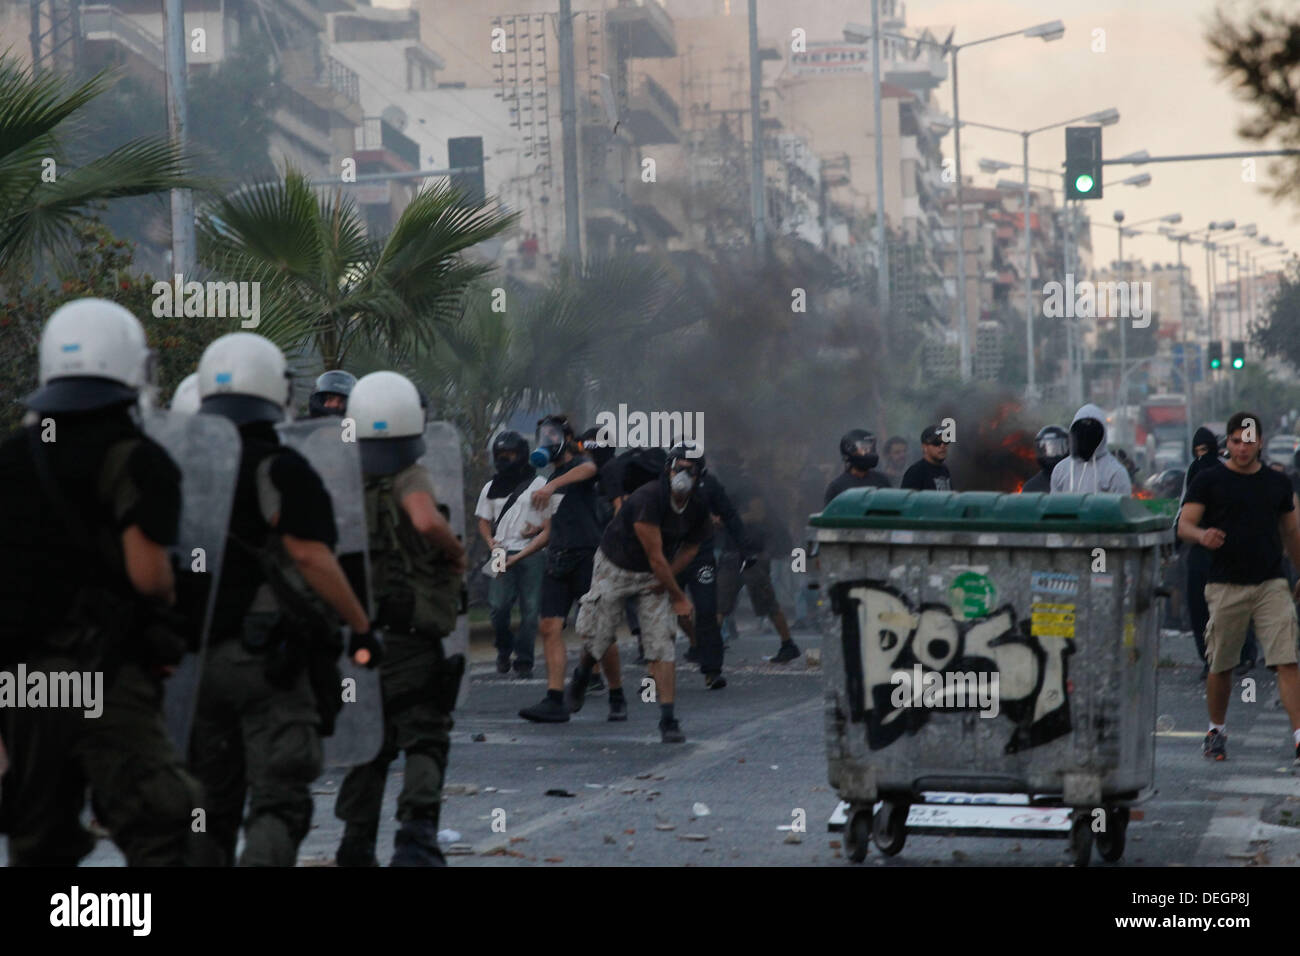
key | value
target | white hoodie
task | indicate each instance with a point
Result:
(1101, 473)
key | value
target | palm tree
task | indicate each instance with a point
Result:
(42, 199)
(328, 287)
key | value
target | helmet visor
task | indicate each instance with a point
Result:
(1053, 446)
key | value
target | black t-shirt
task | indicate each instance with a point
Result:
(576, 523)
(923, 476)
(651, 504)
(42, 566)
(1246, 508)
(305, 509)
(847, 480)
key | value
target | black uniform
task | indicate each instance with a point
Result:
(66, 605)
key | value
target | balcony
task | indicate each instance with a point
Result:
(652, 115)
(341, 80)
(102, 22)
(608, 213)
(375, 136)
(643, 27)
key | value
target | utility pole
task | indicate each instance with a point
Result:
(569, 125)
(182, 200)
(757, 190)
(882, 261)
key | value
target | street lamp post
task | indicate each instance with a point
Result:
(1047, 32)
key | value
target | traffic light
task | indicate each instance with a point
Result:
(1083, 162)
(1238, 355)
(1216, 356)
(467, 151)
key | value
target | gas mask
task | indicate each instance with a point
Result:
(550, 445)
(1086, 436)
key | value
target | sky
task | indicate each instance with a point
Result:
(1155, 69)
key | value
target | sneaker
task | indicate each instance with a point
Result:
(691, 656)
(670, 732)
(523, 671)
(503, 663)
(1215, 746)
(618, 709)
(1245, 667)
(787, 652)
(596, 685)
(714, 681)
(547, 712)
(576, 692)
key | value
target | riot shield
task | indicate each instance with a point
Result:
(206, 449)
(444, 461)
(359, 729)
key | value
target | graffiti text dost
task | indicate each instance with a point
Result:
(884, 633)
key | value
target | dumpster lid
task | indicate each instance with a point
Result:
(992, 511)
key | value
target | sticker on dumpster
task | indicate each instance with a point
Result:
(1103, 580)
(1052, 620)
(1054, 582)
(972, 595)
(885, 634)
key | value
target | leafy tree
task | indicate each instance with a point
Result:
(101, 266)
(1277, 334)
(1260, 55)
(328, 287)
(42, 196)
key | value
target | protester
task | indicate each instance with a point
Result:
(930, 473)
(1245, 514)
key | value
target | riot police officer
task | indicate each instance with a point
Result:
(331, 394)
(88, 508)
(258, 715)
(417, 562)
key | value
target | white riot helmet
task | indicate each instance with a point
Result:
(93, 354)
(244, 377)
(390, 422)
(186, 397)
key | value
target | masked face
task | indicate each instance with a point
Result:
(683, 478)
(1086, 435)
(550, 443)
(862, 454)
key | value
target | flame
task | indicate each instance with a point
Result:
(1143, 493)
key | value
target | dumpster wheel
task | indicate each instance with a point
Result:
(889, 827)
(857, 834)
(1110, 842)
(1081, 838)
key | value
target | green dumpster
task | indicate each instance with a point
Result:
(990, 643)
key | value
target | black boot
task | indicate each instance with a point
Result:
(416, 844)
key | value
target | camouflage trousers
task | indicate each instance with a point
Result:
(139, 789)
(257, 742)
(419, 690)
(601, 611)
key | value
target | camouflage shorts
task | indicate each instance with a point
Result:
(601, 610)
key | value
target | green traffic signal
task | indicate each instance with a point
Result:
(1238, 363)
(1216, 364)
(1084, 183)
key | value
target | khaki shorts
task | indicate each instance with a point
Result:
(600, 612)
(1233, 606)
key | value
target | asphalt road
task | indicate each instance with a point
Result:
(755, 758)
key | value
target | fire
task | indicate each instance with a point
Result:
(1143, 493)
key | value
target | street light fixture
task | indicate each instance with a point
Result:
(1051, 30)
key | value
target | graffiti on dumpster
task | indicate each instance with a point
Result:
(883, 633)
